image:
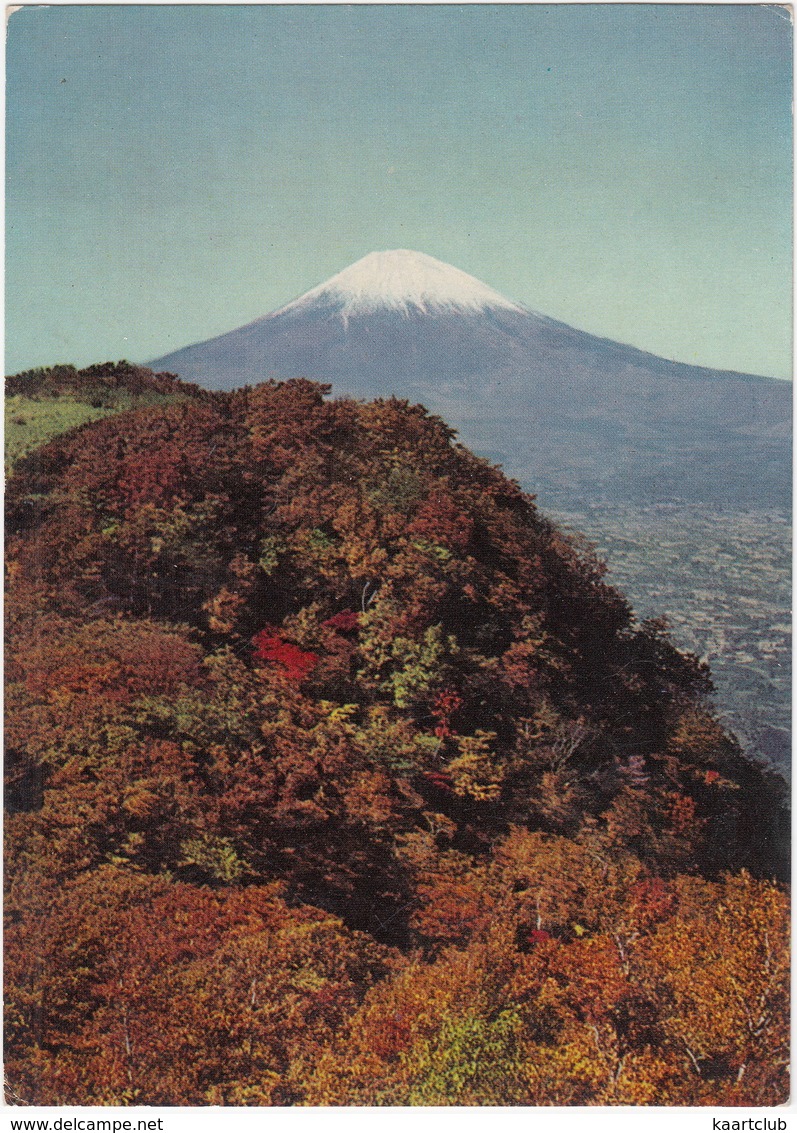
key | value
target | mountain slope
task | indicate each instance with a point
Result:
(379, 775)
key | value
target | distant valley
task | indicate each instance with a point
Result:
(723, 580)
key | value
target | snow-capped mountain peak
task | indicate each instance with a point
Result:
(401, 280)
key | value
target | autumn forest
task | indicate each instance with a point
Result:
(337, 775)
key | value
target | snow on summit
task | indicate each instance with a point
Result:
(402, 281)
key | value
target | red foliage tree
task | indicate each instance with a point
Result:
(270, 649)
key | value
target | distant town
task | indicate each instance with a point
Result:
(722, 579)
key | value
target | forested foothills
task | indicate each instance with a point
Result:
(337, 775)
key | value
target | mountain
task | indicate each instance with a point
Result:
(571, 415)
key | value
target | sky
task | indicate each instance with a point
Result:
(176, 171)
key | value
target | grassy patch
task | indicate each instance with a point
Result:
(31, 422)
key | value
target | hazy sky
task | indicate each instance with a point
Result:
(176, 171)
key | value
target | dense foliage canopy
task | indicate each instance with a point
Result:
(336, 774)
